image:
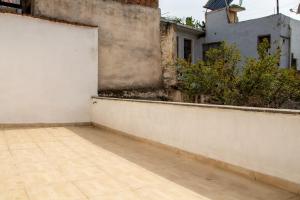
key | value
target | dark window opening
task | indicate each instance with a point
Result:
(208, 46)
(188, 50)
(16, 6)
(261, 38)
(294, 62)
(177, 46)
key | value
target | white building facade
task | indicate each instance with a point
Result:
(283, 32)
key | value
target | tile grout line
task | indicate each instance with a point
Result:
(15, 164)
(73, 183)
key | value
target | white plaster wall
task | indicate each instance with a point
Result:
(48, 70)
(129, 39)
(266, 141)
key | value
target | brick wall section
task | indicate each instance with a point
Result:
(149, 3)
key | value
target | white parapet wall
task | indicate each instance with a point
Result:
(48, 70)
(266, 141)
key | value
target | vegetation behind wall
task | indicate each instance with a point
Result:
(219, 80)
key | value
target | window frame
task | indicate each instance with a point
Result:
(260, 39)
(213, 46)
(190, 57)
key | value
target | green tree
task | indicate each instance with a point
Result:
(189, 21)
(260, 82)
(215, 78)
(259, 77)
(178, 20)
(196, 79)
(264, 83)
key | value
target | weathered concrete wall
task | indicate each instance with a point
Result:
(168, 53)
(263, 140)
(48, 70)
(129, 40)
(172, 47)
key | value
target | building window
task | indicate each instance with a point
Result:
(208, 46)
(177, 46)
(261, 38)
(188, 50)
(294, 62)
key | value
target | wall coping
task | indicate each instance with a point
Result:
(48, 19)
(240, 108)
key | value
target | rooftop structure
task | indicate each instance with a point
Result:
(217, 4)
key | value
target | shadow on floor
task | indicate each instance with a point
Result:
(210, 182)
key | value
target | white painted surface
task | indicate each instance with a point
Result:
(129, 40)
(295, 40)
(265, 142)
(245, 34)
(48, 70)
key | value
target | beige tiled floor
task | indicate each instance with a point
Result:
(80, 163)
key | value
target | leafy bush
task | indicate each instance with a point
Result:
(218, 80)
(189, 21)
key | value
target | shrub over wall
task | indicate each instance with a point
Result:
(219, 79)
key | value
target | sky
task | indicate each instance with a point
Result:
(254, 8)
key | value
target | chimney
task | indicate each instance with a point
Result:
(231, 10)
(233, 13)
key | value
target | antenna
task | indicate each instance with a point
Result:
(226, 3)
(227, 9)
(241, 3)
(296, 10)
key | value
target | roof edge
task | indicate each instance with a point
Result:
(183, 26)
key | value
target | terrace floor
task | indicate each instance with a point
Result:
(80, 163)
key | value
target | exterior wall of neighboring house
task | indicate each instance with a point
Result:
(129, 38)
(48, 70)
(295, 41)
(245, 34)
(172, 47)
(284, 33)
(168, 52)
(193, 35)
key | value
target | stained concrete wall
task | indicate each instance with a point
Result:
(245, 34)
(168, 53)
(172, 48)
(263, 140)
(48, 70)
(170, 32)
(129, 39)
